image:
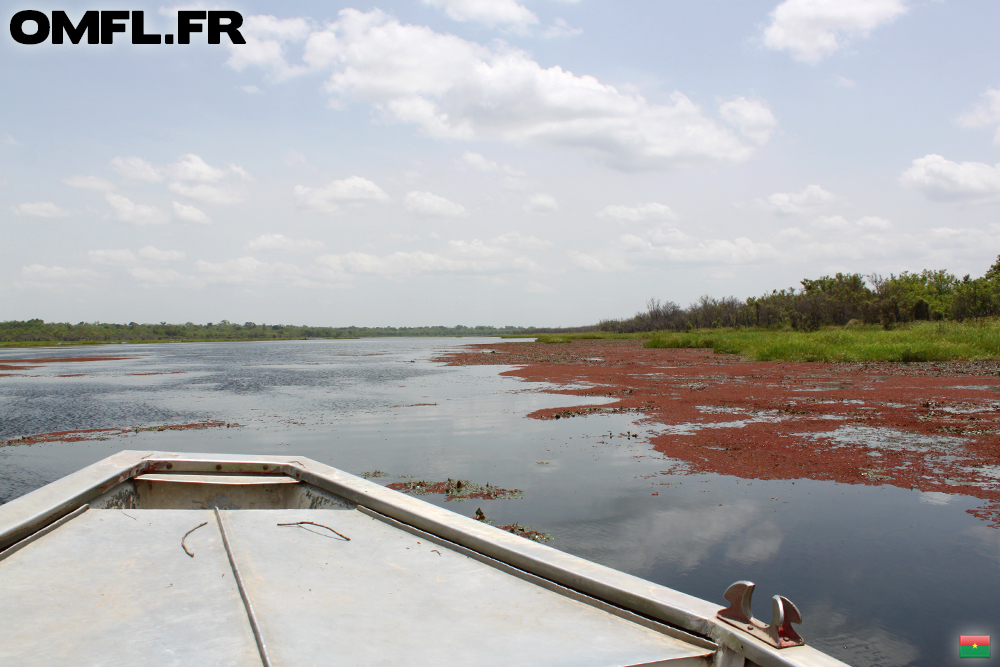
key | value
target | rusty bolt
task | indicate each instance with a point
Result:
(218, 466)
(169, 466)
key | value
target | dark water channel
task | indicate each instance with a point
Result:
(883, 576)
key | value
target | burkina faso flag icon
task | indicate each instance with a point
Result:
(974, 646)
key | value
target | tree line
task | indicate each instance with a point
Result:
(836, 300)
(37, 330)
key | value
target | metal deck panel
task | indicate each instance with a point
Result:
(388, 597)
(37, 511)
(113, 587)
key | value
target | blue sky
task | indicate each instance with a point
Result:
(539, 162)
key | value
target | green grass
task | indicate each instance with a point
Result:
(927, 341)
(587, 335)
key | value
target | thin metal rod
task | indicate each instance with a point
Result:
(264, 657)
(17, 546)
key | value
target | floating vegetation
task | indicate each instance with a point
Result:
(931, 426)
(374, 473)
(457, 489)
(527, 532)
(584, 411)
(88, 434)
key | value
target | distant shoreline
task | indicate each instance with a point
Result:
(219, 340)
(38, 333)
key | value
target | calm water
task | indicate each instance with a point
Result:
(883, 576)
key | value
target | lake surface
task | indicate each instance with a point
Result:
(883, 576)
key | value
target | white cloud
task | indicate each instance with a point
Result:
(324, 272)
(121, 256)
(541, 203)
(490, 13)
(251, 89)
(873, 239)
(520, 241)
(831, 243)
(48, 277)
(497, 257)
(249, 270)
(831, 223)
(536, 287)
(844, 82)
(8, 140)
(595, 263)
(811, 198)
(195, 6)
(293, 158)
(475, 248)
(428, 205)
(283, 243)
(190, 214)
(149, 252)
(670, 245)
(500, 255)
(191, 167)
(139, 214)
(738, 251)
(90, 183)
(205, 193)
(754, 120)
(161, 277)
(792, 234)
(639, 213)
(329, 199)
(190, 177)
(515, 184)
(668, 236)
(398, 263)
(137, 169)
(478, 161)
(40, 209)
(813, 29)
(945, 180)
(407, 239)
(874, 222)
(452, 88)
(560, 28)
(266, 38)
(985, 114)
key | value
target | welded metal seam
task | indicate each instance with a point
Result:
(251, 614)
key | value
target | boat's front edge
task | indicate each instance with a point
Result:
(24, 516)
(34, 511)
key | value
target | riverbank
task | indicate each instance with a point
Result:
(934, 426)
(912, 342)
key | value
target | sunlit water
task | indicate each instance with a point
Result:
(883, 576)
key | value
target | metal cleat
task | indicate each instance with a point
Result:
(779, 633)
